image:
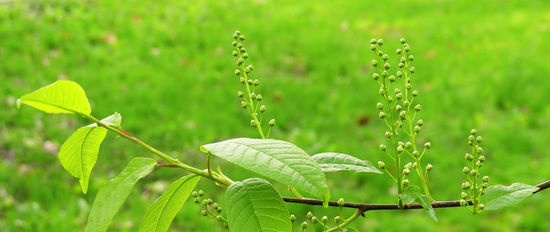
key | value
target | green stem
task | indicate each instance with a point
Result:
(346, 222)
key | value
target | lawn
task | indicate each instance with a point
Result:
(166, 66)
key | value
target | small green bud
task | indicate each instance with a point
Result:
(385, 57)
(463, 202)
(314, 220)
(379, 106)
(237, 72)
(481, 206)
(201, 193)
(242, 80)
(417, 129)
(263, 108)
(245, 55)
(240, 61)
(463, 195)
(204, 202)
(337, 219)
(398, 51)
(398, 108)
(414, 93)
(466, 185)
(403, 114)
(481, 158)
(381, 165)
(384, 73)
(474, 172)
(309, 215)
(479, 150)
(391, 78)
(204, 212)
(402, 40)
(240, 94)
(381, 114)
(272, 122)
(374, 63)
(400, 149)
(406, 103)
(252, 123)
(420, 122)
(241, 37)
(399, 96)
(406, 47)
(324, 219)
(389, 99)
(427, 145)
(234, 44)
(399, 74)
(372, 41)
(375, 76)
(409, 86)
(408, 145)
(292, 218)
(243, 104)
(340, 202)
(406, 171)
(478, 164)
(388, 134)
(235, 53)
(401, 65)
(429, 167)
(405, 182)
(259, 97)
(412, 69)
(256, 82)
(215, 205)
(387, 66)
(250, 81)
(468, 157)
(304, 225)
(416, 154)
(236, 34)
(381, 91)
(411, 57)
(485, 179)
(380, 42)
(473, 132)
(372, 47)
(479, 139)
(466, 170)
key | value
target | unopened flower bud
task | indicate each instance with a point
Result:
(398, 51)
(479, 139)
(292, 217)
(256, 82)
(381, 165)
(375, 76)
(474, 172)
(240, 94)
(245, 55)
(379, 106)
(429, 167)
(406, 103)
(417, 107)
(385, 57)
(463, 195)
(272, 122)
(372, 47)
(412, 69)
(399, 74)
(391, 78)
(374, 63)
(427, 145)
(259, 97)
(340, 202)
(402, 40)
(420, 122)
(263, 108)
(309, 215)
(485, 179)
(400, 149)
(463, 202)
(324, 219)
(381, 114)
(380, 41)
(381, 91)
(411, 57)
(466, 170)
(372, 41)
(337, 219)
(473, 132)
(399, 96)
(468, 157)
(252, 122)
(408, 145)
(243, 104)
(414, 93)
(481, 158)
(406, 171)
(382, 147)
(416, 154)
(417, 129)
(466, 185)
(388, 134)
(403, 114)
(405, 182)
(401, 65)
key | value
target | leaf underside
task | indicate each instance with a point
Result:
(112, 195)
(254, 205)
(274, 159)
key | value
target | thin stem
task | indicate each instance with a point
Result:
(347, 221)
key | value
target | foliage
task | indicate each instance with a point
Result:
(281, 161)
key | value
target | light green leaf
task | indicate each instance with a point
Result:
(412, 194)
(254, 205)
(60, 97)
(500, 196)
(333, 162)
(274, 159)
(113, 120)
(78, 154)
(111, 196)
(162, 212)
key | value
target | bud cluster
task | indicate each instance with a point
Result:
(398, 109)
(323, 223)
(250, 99)
(474, 186)
(208, 207)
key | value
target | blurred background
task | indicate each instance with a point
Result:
(166, 66)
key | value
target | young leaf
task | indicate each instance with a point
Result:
(275, 159)
(254, 205)
(79, 153)
(60, 97)
(500, 196)
(333, 162)
(111, 196)
(412, 193)
(162, 212)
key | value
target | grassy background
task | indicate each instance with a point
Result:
(167, 68)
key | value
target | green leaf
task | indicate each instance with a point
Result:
(500, 196)
(254, 205)
(412, 194)
(60, 97)
(333, 162)
(78, 154)
(111, 196)
(274, 159)
(162, 212)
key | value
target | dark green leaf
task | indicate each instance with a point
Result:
(254, 205)
(500, 196)
(274, 159)
(162, 212)
(333, 162)
(111, 196)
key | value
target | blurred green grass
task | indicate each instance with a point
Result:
(166, 67)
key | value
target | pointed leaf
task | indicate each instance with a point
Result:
(113, 120)
(333, 162)
(79, 153)
(500, 196)
(412, 194)
(254, 205)
(275, 159)
(60, 97)
(111, 196)
(162, 212)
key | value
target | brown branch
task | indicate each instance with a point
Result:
(366, 207)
